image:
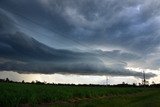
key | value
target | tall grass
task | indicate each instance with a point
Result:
(14, 94)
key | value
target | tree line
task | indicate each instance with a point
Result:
(123, 84)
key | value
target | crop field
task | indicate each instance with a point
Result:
(44, 95)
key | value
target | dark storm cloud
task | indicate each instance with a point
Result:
(130, 26)
(26, 55)
(119, 55)
(6, 24)
(22, 53)
(49, 19)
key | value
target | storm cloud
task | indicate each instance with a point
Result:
(81, 37)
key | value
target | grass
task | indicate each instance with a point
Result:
(16, 94)
(144, 99)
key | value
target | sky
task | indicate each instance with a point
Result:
(80, 40)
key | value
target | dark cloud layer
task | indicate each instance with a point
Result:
(132, 25)
(118, 33)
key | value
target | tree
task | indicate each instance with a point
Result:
(23, 81)
(7, 80)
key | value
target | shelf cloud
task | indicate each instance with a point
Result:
(80, 37)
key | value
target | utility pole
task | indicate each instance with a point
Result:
(106, 80)
(144, 78)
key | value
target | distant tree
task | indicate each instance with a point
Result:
(7, 80)
(2, 80)
(139, 84)
(23, 81)
(39, 82)
(134, 84)
(153, 82)
(32, 82)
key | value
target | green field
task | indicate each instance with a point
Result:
(28, 95)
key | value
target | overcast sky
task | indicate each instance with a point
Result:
(80, 37)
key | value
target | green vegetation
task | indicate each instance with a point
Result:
(18, 94)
